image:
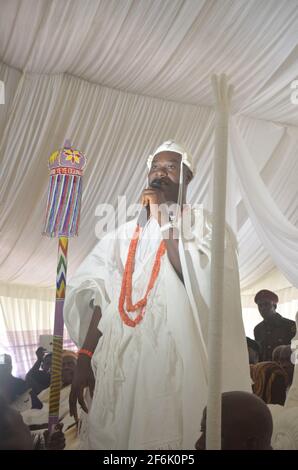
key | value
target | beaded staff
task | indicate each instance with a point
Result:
(62, 220)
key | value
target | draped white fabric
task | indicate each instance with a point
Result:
(162, 48)
(25, 314)
(150, 63)
(278, 235)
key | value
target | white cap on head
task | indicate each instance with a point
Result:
(171, 146)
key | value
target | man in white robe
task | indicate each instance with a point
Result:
(151, 379)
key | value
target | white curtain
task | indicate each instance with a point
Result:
(25, 314)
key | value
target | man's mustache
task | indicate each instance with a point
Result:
(157, 183)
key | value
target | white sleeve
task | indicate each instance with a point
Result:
(89, 287)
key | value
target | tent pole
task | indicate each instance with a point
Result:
(222, 98)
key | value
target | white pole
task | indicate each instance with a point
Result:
(222, 93)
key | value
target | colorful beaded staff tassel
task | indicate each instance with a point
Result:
(62, 220)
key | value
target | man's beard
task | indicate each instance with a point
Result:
(166, 186)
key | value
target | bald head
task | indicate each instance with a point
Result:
(246, 423)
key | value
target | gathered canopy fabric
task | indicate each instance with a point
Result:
(277, 234)
(119, 77)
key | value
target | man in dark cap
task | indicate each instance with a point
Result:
(274, 330)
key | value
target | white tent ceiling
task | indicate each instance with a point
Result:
(118, 77)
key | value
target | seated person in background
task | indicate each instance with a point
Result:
(282, 355)
(253, 351)
(274, 330)
(37, 419)
(10, 387)
(269, 382)
(15, 435)
(276, 353)
(37, 379)
(246, 423)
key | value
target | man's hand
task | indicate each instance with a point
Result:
(155, 199)
(56, 441)
(83, 377)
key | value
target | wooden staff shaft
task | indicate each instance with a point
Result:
(58, 334)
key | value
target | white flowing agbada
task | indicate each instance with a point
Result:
(151, 380)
